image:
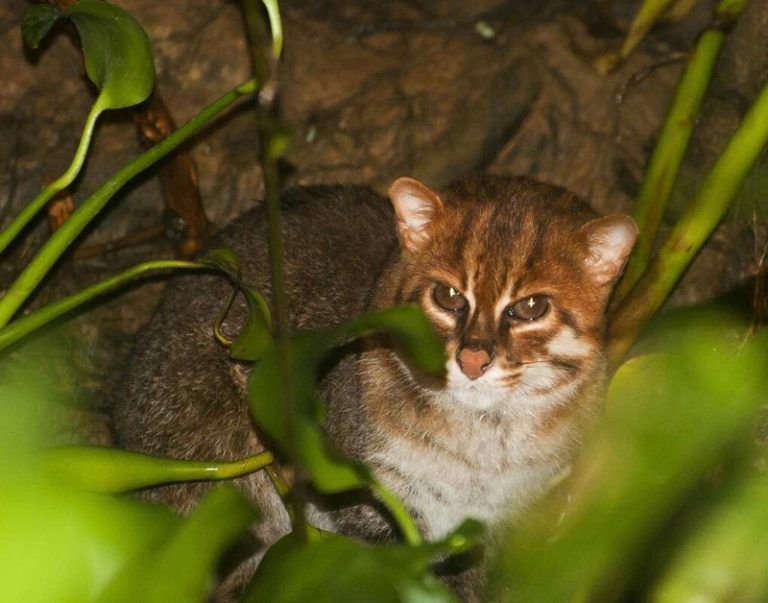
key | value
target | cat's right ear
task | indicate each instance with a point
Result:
(415, 207)
(610, 240)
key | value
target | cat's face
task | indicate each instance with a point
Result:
(515, 276)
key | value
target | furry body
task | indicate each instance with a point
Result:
(482, 444)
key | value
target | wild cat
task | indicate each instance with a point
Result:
(515, 275)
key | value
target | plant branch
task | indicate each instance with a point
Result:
(400, 514)
(282, 324)
(668, 153)
(44, 260)
(272, 142)
(697, 223)
(25, 325)
(178, 176)
(30, 211)
(111, 470)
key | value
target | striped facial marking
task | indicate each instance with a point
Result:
(507, 273)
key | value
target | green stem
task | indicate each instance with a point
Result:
(400, 514)
(276, 26)
(257, 39)
(673, 140)
(282, 325)
(670, 148)
(60, 240)
(30, 211)
(646, 17)
(270, 141)
(712, 200)
(278, 481)
(25, 325)
(111, 470)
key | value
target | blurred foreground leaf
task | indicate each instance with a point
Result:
(180, 569)
(58, 543)
(726, 557)
(61, 542)
(329, 471)
(670, 418)
(112, 470)
(391, 573)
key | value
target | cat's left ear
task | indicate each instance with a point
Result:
(610, 240)
(415, 207)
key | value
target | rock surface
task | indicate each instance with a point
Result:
(374, 90)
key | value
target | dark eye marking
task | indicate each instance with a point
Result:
(570, 365)
(449, 298)
(568, 319)
(531, 307)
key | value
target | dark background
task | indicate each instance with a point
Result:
(375, 90)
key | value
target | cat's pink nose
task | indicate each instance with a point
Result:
(473, 363)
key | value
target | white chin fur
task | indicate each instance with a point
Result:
(483, 393)
(487, 393)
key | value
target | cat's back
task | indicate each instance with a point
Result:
(336, 239)
(182, 396)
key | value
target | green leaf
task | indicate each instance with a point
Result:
(670, 419)
(223, 259)
(256, 335)
(335, 569)
(58, 543)
(408, 326)
(724, 557)
(62, 545)
(37, 22)
(111, 470)
(181, 569)
(329, 470)
(117, 52)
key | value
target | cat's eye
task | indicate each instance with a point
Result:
(531, 307)
(449, 298)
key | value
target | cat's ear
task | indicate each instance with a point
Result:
(609, 240)
(415, 207)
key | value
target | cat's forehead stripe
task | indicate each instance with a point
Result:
(463, 233)
(514, 242)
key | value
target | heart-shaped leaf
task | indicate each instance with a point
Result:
(37, 22)
(117, 52)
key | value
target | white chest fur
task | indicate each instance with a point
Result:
(487, 468)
